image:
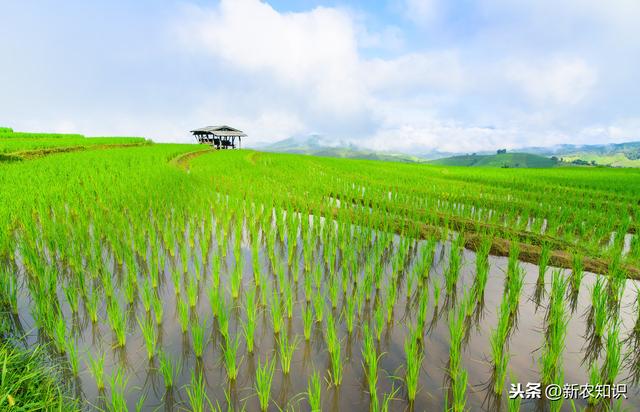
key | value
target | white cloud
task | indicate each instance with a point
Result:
(559, 81)
(421, 11)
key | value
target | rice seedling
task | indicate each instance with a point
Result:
(118, 321)
(598, 319)
(371, 360)
(117, 400)
(414, 357)
(249, 326)
(456, 335)
(264, 378)
(313, 392)
(307, 318)
(577, 273)
(183, 315)
(516, 282)
(168, 369)
(499, 355)
(423, 305)
(513, 404)
(459, 392)
(349, 312)
(595, 379)
(317, 277)
(482, 267)
(72, 353)
(198, 340)
(197, 394)
(277, 319)
(286, 350)
(192, 292)
(146, 295)
(330, 331)
(176, 278)
(288, 299)
(229, 355)
(612, 361)
(91, 305)
(455, 261)
(335, 374)
(223, 316)
(308, 288)
(378, 317)
(318, 306)
(150, 336)
(158, 309)
(60, 334)
(235, 280)
(96, 368)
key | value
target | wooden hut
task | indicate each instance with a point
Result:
(220, 137)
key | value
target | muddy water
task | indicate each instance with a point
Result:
(287, 391)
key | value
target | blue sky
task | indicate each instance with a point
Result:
(409, 75)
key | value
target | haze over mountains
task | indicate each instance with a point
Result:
(614, 154)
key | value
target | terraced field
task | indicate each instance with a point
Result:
(163, 276)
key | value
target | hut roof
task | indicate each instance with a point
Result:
(219, 131)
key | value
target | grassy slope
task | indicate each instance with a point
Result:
(615, 160)
(14, 143)
(514, 160)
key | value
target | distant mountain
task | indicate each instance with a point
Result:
(615, 154)
(511, 160)
(317, 145)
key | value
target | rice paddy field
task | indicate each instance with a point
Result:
(173, 277)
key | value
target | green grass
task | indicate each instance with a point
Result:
(30, 381)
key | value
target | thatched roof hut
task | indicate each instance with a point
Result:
(221, 137)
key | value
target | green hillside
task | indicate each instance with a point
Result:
(511, 160)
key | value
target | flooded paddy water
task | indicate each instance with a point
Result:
(144, 380)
